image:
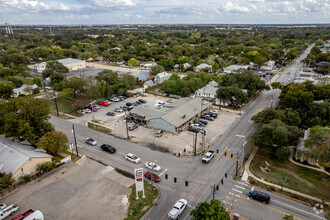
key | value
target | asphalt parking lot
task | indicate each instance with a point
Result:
(81, 190)
(174, 143)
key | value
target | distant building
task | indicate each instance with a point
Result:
(161, 77)
(20, 160)
(231, 68)
(148, 84)
(144, 75)
(208, 91)
(268, 66)
(202, 67)
(24, 90)
(71, 64)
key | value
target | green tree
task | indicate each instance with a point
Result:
(277, 85)
(175, 76)
(288, 217)
(133, 62)
(6, 180)
(323, 69)
(37, 81)
(214, 210)
(129, 80)
(53, 67)
(233, 94)
(108, 76)
(53, 142)
(75, 83)
(157, 69)
(6, 89)
(25, 118)
(66, 94)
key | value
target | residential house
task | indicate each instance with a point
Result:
(20, 160)
(231, 68)
(148, 84)
(208, 91)
(202, 67)
(24, 90)
(144, 75)
(161, 77)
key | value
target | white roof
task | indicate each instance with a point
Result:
(210, 88)
(68, 61)
(162, 74)
(23, 87)
(235, 67)
(13, 155)
(203, 66)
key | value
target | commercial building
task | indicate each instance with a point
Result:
(71, 64)
(208, 91)
(231, 68)
(20, 160)
(174, 117)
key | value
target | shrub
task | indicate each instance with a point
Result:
(46, 167)
(6, 180)
(26, 178)
(282, 153)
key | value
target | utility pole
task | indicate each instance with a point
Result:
(213, 190)
(56, 104)
(75, 140)
(126, 124)
(195, 144)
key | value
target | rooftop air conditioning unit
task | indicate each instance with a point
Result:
(183, 116)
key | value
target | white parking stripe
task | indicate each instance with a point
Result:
(237, 196)
(163, 172)
(297, 209)
(239, 187)
(237, 190)
(243, 183)
(230, 193)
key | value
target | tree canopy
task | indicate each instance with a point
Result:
(214, 210)
(53, 141)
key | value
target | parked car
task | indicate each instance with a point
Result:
(81, 112)
(110, 113)
(92, 108)
(202, 121)
(91, 141)
(212, 114)
(215, 111)
(152, 176)
(170, 101)
(105, 103)
(108, 148)
(133, 158)
(121, 98)
(129, 108)
(129, 104)
(24, 215)
(97, 106)
(208, 117)
(118, 109)
(87, 110)
(177, 209)
(259, 196)
(198, 125)
(132, 127)
(159, 133)
(194, 129)
(153, 166)
(142, 101)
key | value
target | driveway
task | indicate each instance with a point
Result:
(82, 190)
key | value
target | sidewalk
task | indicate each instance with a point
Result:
(247, 168)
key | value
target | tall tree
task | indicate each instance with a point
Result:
(133, 62)
(213, 210)
(108, 76)
(157, 69)
(53, 141)
(6, 89)
(75, 83)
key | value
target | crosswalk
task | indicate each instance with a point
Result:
(236, 191)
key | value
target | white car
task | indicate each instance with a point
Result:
(97, 106)
(87, 110)
(81, 112)
(178, 209)
(133, 158)
(91, 141)
(197, 126)
(215, 111)
(153, 166)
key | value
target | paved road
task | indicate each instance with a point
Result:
(200, 176)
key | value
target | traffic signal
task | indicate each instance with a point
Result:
(221, 182)
(217, 151)
(166, 176)
(175, 179)
(226, 175)
(231, 155)
(186, 183)
(225, 154)
(217, 187)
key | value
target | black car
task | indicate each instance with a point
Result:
(202, 121)
(142, 100)
(108, 148)
(132, 127)
(129, 103)
(260, 196)
(194, 129)
(208, 117)
(110, 113)
(214, 115)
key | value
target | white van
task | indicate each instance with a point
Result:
(158, 102)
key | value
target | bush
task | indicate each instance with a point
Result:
(6, 180)
(46, 167)
(27, 178)
(282, 153)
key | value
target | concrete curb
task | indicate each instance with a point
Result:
(247, 168)
(156, 203)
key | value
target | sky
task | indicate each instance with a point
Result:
(164, 11)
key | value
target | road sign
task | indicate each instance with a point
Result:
(138, 173)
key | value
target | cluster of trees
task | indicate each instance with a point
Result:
(188, 84)
(213, 210)
(281, 127)
(316, 56)
(231, 87)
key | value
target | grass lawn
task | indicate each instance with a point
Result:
(137, 208)
(298, 178)
(63, 105)
(99, 128)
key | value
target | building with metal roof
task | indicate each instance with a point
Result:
(144, 75)
(174, 117)
(231, 68)
(161, 77)
(19, 159)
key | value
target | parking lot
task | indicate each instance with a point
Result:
(174, 143)
(81, 190)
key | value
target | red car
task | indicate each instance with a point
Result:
(92, 108)
(105, 103)
(152, 176)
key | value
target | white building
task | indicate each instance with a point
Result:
(161, 77)
(202, 66)
(71, 64)
(231, 68)
(24, 90)
(208, 91)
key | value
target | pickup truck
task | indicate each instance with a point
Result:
(24, 215)
(208, 156)
(10, 210)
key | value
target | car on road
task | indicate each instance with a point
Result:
(159, 133)
(208, 117)
(153, 166)
(110, 113)
(177, 209)
(259, 196)
(91, 141)
(133, 158)
(132, 127)
(105, 103)
(194, 129)
(119, 109)
(108, 148)
(152, 176)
